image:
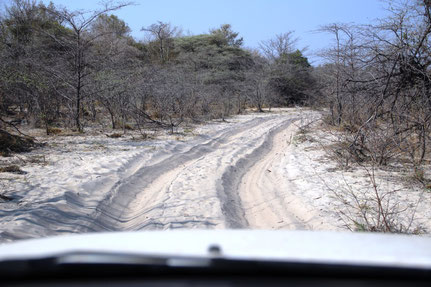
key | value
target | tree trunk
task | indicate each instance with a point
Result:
(78, 111)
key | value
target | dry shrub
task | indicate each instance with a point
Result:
(114, 135)
(146, 136)
(13, 143)
(53, 131)
(376, 209)
(378, 206)
(155, 114)
(12, 169)
(128, 127)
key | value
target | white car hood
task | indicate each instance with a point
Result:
(364, 249)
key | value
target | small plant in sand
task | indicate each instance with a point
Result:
(128, 127)
(53, 131)
(13, 143)
(377, 206)
(188, 130)
(376, 209)
(302, 135)
(420, 176)
(114, 135)
(12, 169)
(37, 159)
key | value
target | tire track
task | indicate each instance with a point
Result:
(114, 212)
(231, 179)
(194, 184)
(268, 197)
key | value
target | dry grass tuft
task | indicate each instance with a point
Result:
(114, 135)
(54, 131)
(12, 169)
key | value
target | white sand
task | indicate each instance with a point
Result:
(268, 194)
(247, 173)
(317, 177)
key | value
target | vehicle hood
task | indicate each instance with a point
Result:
(363, 249)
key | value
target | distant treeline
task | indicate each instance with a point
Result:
(62, 68)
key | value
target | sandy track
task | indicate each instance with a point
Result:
(219, 179)
(195, 188)
(266, 191)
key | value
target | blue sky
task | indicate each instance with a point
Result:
(255, 20)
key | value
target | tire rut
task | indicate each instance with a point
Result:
(112, 213)
(231, 179)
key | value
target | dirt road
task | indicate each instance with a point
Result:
(229, 177)
(196, 187)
